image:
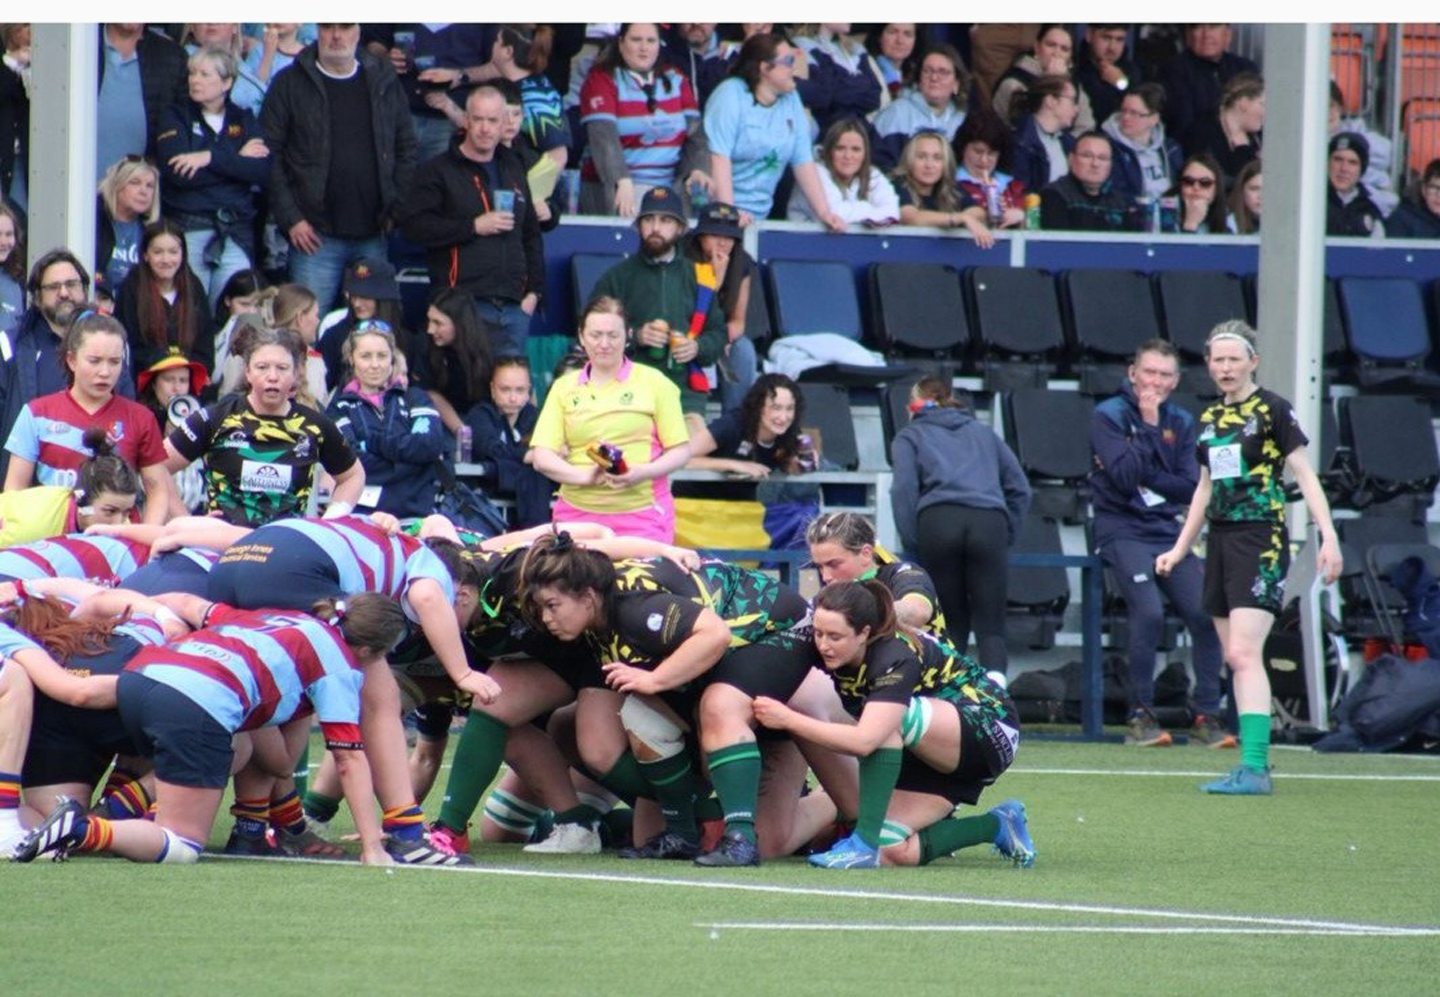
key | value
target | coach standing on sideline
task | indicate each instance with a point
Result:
(343, 147)
(1144, 477)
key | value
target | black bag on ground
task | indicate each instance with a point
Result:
(1392, 701)
(1054, 695)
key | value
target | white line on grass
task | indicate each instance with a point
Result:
(1252, 920)
(1203, 773)
(1075, 929)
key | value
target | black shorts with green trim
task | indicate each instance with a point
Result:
(985, 752)
(1245, 567)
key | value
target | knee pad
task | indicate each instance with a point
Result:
(652, 728)
(917, 720)
(512, 813)
(892, 832)
(178, 850)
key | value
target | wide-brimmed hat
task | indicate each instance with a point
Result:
(372, 278)
(172, 359)
(719, 218)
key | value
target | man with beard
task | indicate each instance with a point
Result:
(669, 300)
(30, 360)
(470, 208)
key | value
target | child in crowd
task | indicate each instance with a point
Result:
(500, 433)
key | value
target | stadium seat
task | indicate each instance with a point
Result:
(1193, 302)
(758, 326)
(814, 296)
(1387, 451)
(1361, 614)
(1110, 312)
(1336, 359)
(414, 298)
(1036, 597)
(586, 269)
(827, 409)
(1050, 434)
(1348, 66)
(1421, 127)
(1388, 333)
(1019, 334)
(919, 311)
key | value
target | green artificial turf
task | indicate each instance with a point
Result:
(1304, 884)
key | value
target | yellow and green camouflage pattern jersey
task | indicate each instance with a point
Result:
(1244, 447)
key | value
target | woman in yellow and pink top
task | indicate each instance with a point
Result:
(616, 402)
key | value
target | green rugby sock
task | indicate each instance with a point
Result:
(625, 779)
(1255, 741)
(735, 772)
(320, 807)
(878, 772)
(954, 833)
(674, 783)
(477, 759)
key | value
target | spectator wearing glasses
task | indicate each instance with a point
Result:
(1349, 209)
(935, 104)
(1104, 71)
(642, 124)
(1083, 200)
(343, 149)
(1146, 159)
(1202, 200)
(1195, 79)
(756, 126)
(31, 358)
(1232, 134)
(1418, 218)
(1042, 139)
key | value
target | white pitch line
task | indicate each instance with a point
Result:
(918, 898)
(1060, 929)
(1204, 773)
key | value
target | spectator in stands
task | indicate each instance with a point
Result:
(31, 361)
(701, 56)
(959, 497)
(14, 113)
(432, 68)
(980, 144)
(1232, 134)
(1200, 190)
(756, 126)
(854, 188)
(1145, 475)
(1195, 79)
(293, 307)
(1348, 207)
(716, 240)
(520, 54)
(45, 445)
(214, 159)
(500, 430)
(129, 200)
(470, 207)
(280, 45)
(12, 269)
(456, 362)
(248, 91)
(1042, 138)
(1245, 199)
(935, 104)
(141, 74)
(1146, 159)
(392, 427)
(843, 81)
(343, 150)
(583, 412)
(1413, 219)
(242, 295)
(1053, 56)
(642, 124)
(925, 181)
(162, 303)
(896, 49)
(1377, 173)
(1083, 199)
(1105, 72)
(679, 327)
(371, 292)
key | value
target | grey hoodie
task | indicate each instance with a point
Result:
(946, 456)
(1154, 168)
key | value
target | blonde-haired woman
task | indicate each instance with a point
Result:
(129, 200)
(925, 181)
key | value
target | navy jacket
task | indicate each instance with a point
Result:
(229, 182)
(1031, 160)
(398, 446)
(500, 449)
(1411, 220)
(947, 457)
(1192, 87)
(30, 367)
(1130, 455)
